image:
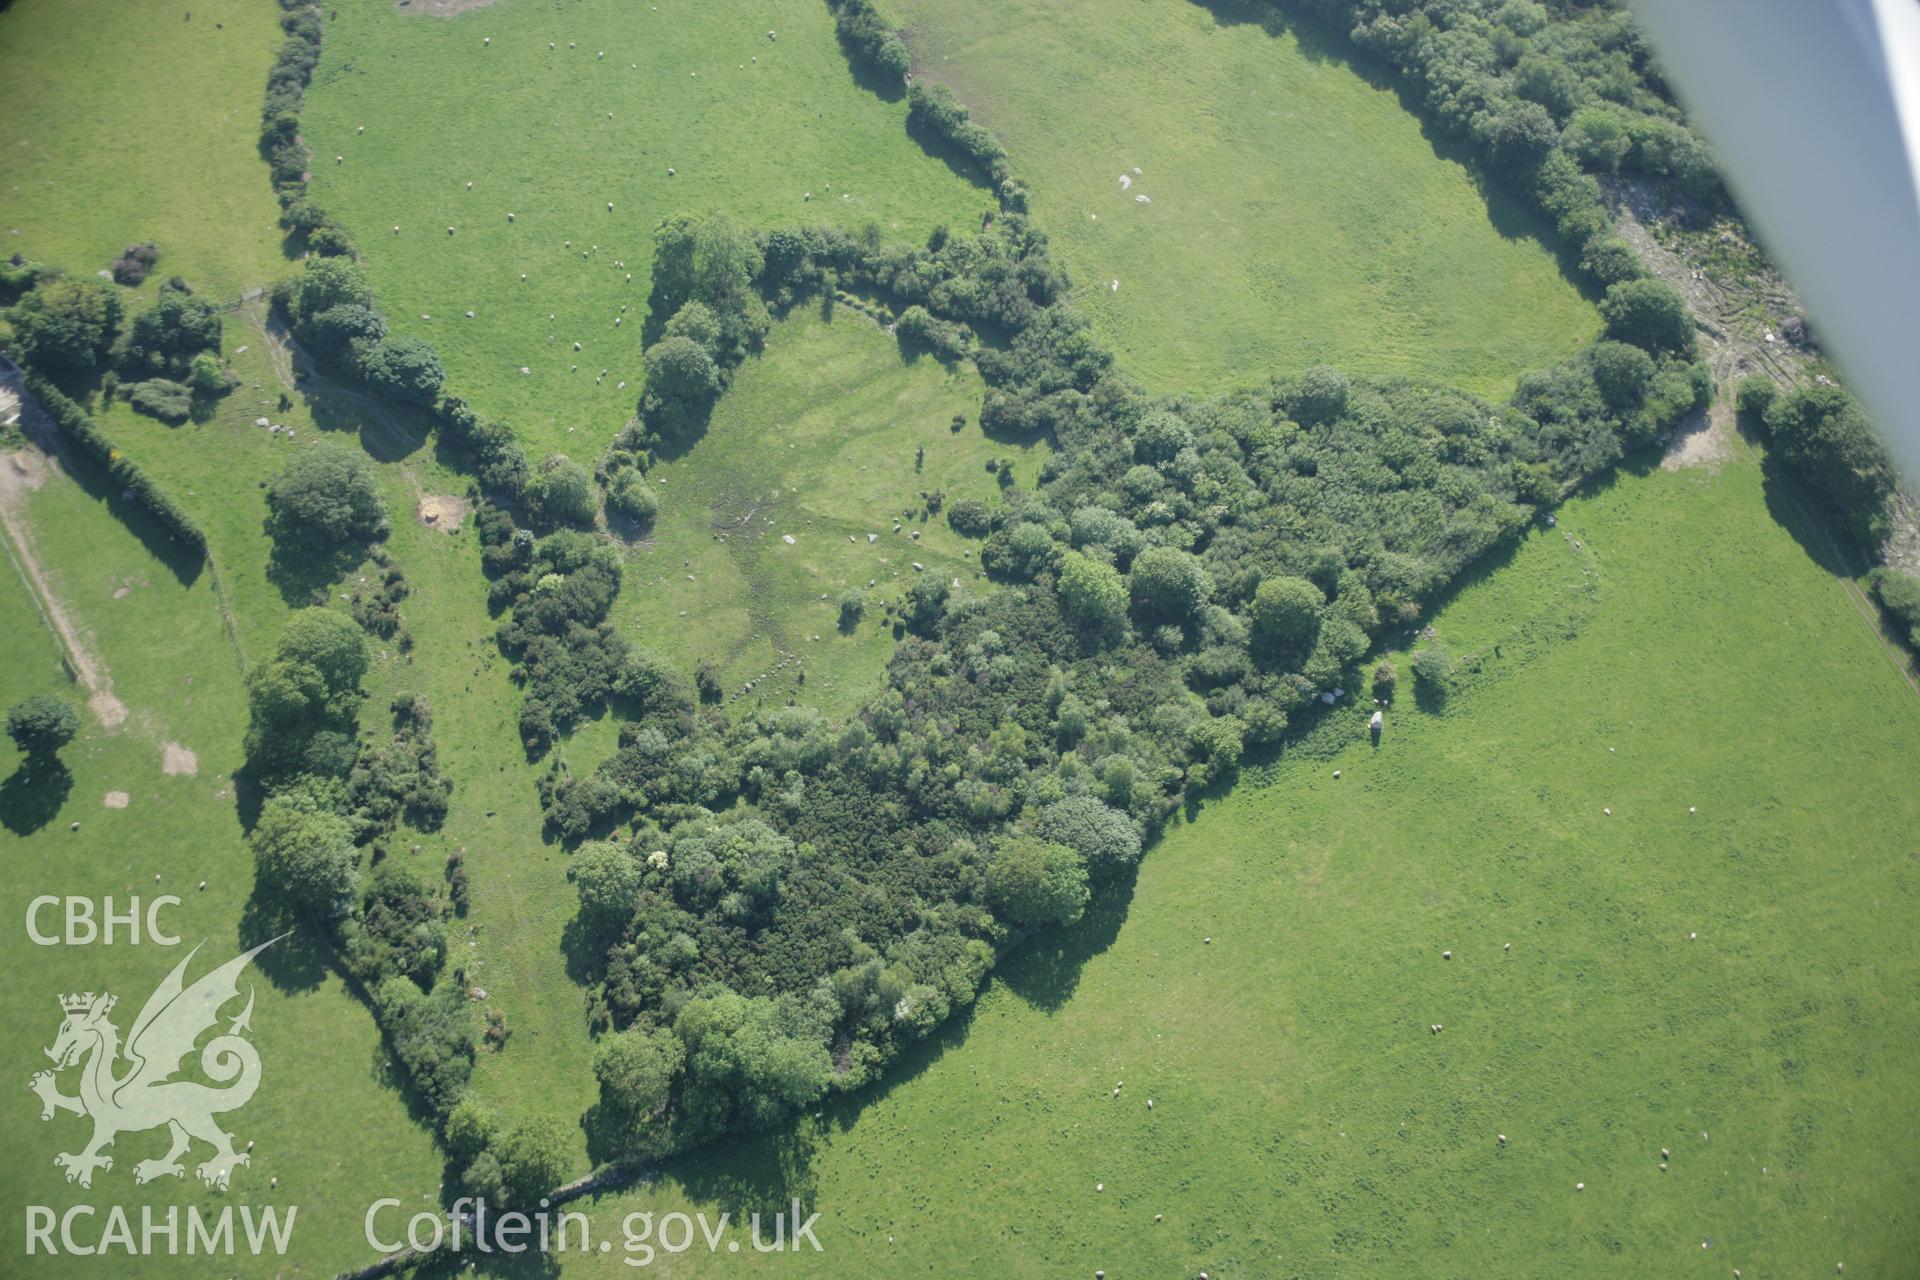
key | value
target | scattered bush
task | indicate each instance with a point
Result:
(1899, 594)
(163, 399)
(135, 263)
(41, 724)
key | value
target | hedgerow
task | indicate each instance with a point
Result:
(74, 420)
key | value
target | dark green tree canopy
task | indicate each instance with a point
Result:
(42, 724)
(66, 324)
(325, 501)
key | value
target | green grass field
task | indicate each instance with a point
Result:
(1296, 212)
(749, 125)
(1735, 985)
(818, 440)
(171, 663)
(122, 125)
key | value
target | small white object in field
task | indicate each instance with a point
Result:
(469, 315)
(1608, 812)
(469, 184)
(273, 1182)
(396, 230)
(1114, 287)
(1579, 1186)
(770, 35)
(203, 886)
(1502, 1137)
(1099, 1186)
(1691, 809)
(1136, 171)
(1690, 938)
(261, 422)
(601, 54)
(609, 203)
(510, 219)
(1665, 1154)
(1125, 181)
(873, 537)
(1336, 773)
(576, 346)
(1142, 200)
(525, 369)
(621, 387)
(1446, 955)
(1506, 946)
(1207, 940)
(338, 159)
(449, 230)
(487, 40)
(787, 538)
(1149, 1104)
(1156, 1217)
(361, 129)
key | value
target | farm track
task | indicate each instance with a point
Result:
(1724, 318)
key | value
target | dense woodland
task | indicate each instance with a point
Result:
(779, 902)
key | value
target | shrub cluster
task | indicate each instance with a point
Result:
(325, 796)
(1899, 594)
(936, 113)
(280, 140)
(871, 38)
(1820, 434)
(135, 263)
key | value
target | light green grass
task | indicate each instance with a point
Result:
(325, 1122)
(1297, 213)
(510, 942)
(818, 439)
(121, 124)
(750, 126)
(1306, 1122)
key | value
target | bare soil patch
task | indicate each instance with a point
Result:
(180, 762)
(22, 473)
(440, 8)
(115, 799)
(1704, 440)
(441, 511)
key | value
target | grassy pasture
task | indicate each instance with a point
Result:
(1297, 213)
(749, 125)
(166, 649)
(1307, 1122)
(122, 124)
(816, 440)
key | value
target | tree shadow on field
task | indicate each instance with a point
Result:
(1045, 969)
(184, 562)
(1509, 216)
(881, 86)
(298, 962)
(31, 797)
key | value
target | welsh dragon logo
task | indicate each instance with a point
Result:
(144, 1095)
